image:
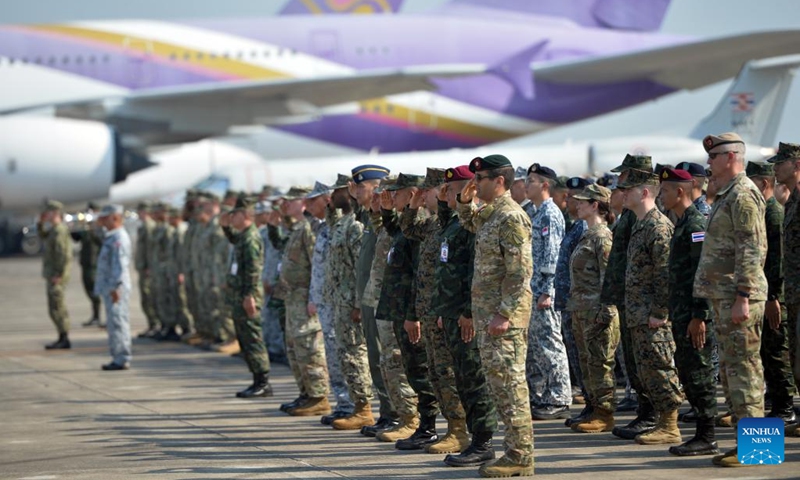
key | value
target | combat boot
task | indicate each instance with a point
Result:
(407, 426)
(666, 430)
(505, 467)
(479, 452)
(581, 417)
(328, 419)
(92, 322)
(455, 441)
(294, 403)
(424, 435)
(717, 460)
(171, 335)
(361, 417)
(601, 421)
(248, 389)
(261, 387)
(689, 416)
(228, 348)
(643, 423)
(783, 409)
(191, 338)
(311, 408)
(61, 344)
(701, 444)
(725, 420)
(384, 424)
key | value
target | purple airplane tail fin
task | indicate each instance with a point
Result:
(340, 7)
(635, 15)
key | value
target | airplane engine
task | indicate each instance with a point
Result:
(62, 159)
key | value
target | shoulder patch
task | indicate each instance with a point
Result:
(513, 232)
(698, 237)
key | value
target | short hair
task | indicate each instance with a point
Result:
(508, 175)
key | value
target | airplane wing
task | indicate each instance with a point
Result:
(688, 66)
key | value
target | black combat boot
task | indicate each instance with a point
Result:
(479, 452)
(248, 389)
(644, 422)
(294, 403)
(585, 414)
(782, 408)
(383, 424)
(689, 416)
(61, 344)
(425, 435)
(261, 387)
(328, 419)
(701, 444)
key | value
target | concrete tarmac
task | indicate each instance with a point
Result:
(174, 415)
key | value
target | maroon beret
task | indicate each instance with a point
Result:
(675, 175)
(459, 173)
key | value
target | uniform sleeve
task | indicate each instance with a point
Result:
(63, 253)
(749, 241)
(413, 225)
(515, 245)
(549, 257)
(468, 215)
(602, 250)
(470, 244)
(701, 307)
(117, 267)
(773, 268)
(275, 236)
(308, 242)
(660, 257)
(355, 237)
(221, 255)
(390, 221)
(251, 266)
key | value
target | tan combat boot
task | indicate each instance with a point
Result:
(666, 430)
(600, 421)
(456, 440)
(311, 408)
(717, 460)
(361, 417)
(407, 426)
(193, 338)
(725, 420)
(228, 348)
(505, 467)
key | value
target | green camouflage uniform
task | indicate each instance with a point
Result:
(90, 249)
(176, 267)
(791, 269)
(162, 255)
(192, 297)
(153, 269)
(501, 285)
(143, 234)
(215, 254)
(733, 257)
(56, 262)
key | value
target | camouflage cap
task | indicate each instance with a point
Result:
(342, 181)
(245, 202)
(225, 209)
(786, 152)
(713, 141)
(433, 178)
(232, 194)
(262, 207)
(191, 193)
(111, 209)
(659, 168)
(561, 182)
(53, 206)
(319, 189)
(759, 169)
(635, 162)
(463, 173)
(521, 173)
(480, 164)
(206, 196)
(385, 182)
(174, 212)
(608, 180)
(143, 207)
(406, 181)
(159, 207)
(594, 193)
(637, 178)
(297, 193)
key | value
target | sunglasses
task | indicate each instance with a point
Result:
(712, 156)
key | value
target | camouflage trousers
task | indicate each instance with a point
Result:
(415, 360)
(740, 358)
(470, 379)
(402, 396)
(338, 385)
(631, 366)
(183, 317)
(251, 341)
(440, 370)
(306, 344)
(118, 327)
(503, 358)
(369, 324)
(793, 328)
(146, 300)
(695, 367)
(547, 365)
(219, 323)
(573, 352)
(165, 301)
(597, 337)
(654, 351)
(273, 333)
(56, 306)
(351, 347)
(87, 275)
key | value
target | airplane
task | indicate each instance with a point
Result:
(471, 73)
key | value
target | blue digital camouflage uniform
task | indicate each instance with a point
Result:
(547, 365)
(563, 282)
(113, 273)
(273, 310)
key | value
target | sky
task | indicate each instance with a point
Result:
(675, 114)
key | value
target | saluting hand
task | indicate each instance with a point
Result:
(498, 325)
(697, 332)
(469, 191)
(413, 330)
(386, 200)
(417, 199)
(442, 195)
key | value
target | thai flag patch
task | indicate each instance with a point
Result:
(698, 237)
(545, 231)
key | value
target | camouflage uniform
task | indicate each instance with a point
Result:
(646, 296)
(452, 299)
(143, 234)
(57, 262)
(596, 325)
(547, 364)
(501, 285)
(733, 256)
(189, 272)
(90, 249)
(695, 367)
(113, 273)
(791, 269)
(274, 314)
(214, 263)
(440, 362)
(177, 267)
(162, 255)
(563, 282)
(345, 244)
(154, 270)
(702, 206)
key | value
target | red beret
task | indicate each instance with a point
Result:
(458, 173)
(673, 175)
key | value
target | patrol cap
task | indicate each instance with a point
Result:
(594, 193)
(578, 183)
(319, 189)
(481, 164)
(759, 169)
(342, 181)
(159, 206)
(53, 206)
(174, 211)
(543, 171)
(608, 180)
(674, 175)
(463, 172)
(111, 209)
(208, 197)
(521, 173)
(786, 152)
(433, 177)
(143, 207)
(660, 168)
(225, 209)
(369, 172)
(695, 169)
(245, 203)
(637, 178)
(297, 193)
(231, 194)
(191, 194)
(262, 207)
(405, 180)
(385, 182)
(635, 162)
(714, 141)
(561, 182)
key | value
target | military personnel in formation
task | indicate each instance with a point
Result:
(453, 305)
(782, 193)
(690, 316)
(345, 244)
(775, 354)
(731, 276)
(595, 325)
(246, 297)
(559, 193)
(613, 293)
(56, 265)
(519, 191)
(90, 241)
(501, 303)
(190, 214)
(365, 178)
(113, 284)
(176, 273)
(548, 366)
(159, 259)
(699, 181)
(274, 313)
(426, 230)
(575, 185)
(142, 264)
